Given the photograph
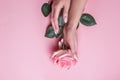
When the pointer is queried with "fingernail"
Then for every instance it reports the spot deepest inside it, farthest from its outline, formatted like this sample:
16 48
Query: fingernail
55 32
65 19
62 40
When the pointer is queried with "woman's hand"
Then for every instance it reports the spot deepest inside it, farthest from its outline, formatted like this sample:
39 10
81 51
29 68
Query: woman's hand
56 9
69 31
70 38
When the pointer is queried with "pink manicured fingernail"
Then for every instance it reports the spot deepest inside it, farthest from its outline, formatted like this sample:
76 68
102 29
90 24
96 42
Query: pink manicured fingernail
55 32
65 19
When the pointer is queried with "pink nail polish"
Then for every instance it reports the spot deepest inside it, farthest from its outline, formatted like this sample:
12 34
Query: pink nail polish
65 19
55 32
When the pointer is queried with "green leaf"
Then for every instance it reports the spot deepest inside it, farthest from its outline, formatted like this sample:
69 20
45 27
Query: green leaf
46 9
61 21
50 32
87 19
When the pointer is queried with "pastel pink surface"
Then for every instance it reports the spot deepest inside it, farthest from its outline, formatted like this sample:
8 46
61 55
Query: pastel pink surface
24 51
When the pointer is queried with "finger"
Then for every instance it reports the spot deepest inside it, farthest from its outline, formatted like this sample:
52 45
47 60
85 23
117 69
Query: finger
52 21
63 55
55 16
65 13
62 40
56 53
50 1
59 44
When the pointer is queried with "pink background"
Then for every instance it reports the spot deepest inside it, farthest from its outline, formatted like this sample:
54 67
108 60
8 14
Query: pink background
24 51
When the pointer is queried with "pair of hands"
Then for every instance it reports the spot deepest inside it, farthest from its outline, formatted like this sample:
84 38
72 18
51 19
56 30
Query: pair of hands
70 35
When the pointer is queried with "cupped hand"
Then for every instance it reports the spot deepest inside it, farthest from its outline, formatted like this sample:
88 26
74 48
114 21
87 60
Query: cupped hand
57 6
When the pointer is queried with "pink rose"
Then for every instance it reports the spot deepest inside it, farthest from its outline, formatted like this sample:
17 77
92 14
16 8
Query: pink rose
64 58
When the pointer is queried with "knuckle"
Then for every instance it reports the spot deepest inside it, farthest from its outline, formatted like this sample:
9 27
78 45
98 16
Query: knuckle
55 3
65 14
66 11
55 7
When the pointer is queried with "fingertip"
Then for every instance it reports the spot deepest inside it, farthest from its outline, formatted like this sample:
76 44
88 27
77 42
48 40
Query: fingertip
65 14
65 19
59 44
62 40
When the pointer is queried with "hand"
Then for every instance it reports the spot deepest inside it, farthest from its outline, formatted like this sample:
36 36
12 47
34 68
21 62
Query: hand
70 38
56 9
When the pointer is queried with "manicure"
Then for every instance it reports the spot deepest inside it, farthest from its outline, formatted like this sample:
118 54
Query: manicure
55 32
65 19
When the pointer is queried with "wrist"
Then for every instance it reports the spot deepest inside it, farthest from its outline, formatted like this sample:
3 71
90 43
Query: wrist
72 25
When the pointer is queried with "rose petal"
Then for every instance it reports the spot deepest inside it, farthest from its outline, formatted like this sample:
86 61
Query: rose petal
64 58
55 53
55 61
61 63
63 55
58 54
75 56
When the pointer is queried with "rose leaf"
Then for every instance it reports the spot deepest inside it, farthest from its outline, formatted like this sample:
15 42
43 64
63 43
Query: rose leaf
46 9
50 32
61 21
87 19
